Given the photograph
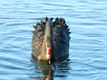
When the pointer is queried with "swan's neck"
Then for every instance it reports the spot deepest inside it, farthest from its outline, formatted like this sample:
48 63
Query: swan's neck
47 42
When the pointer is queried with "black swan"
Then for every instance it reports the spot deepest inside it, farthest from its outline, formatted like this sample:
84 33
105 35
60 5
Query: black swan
50 41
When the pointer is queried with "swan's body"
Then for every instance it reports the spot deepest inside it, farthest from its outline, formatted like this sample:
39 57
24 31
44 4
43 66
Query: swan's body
50 40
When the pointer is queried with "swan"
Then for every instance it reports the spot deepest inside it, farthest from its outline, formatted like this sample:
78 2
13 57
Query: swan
50 40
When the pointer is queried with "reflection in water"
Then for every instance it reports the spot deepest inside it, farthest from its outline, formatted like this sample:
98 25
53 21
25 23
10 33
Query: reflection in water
49 71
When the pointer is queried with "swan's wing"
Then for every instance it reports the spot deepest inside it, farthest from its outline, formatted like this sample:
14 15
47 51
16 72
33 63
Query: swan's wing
37 38
60 37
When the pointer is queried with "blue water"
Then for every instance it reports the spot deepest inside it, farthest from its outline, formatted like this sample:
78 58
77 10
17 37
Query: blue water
87 20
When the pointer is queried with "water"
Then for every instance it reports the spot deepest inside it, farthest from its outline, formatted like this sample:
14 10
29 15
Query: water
87 20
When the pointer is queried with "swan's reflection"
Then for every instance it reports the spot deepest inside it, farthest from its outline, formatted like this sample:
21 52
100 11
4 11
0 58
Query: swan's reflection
50 71
47 70
48 74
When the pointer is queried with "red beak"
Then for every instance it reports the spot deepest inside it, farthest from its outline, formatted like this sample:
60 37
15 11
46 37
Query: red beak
49 51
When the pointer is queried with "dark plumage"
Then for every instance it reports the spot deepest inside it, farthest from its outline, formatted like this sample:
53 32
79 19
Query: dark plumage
50 41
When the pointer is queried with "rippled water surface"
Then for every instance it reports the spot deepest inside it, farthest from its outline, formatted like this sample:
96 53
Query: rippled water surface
87 20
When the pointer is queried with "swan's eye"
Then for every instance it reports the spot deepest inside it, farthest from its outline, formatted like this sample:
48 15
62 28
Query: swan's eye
47 45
